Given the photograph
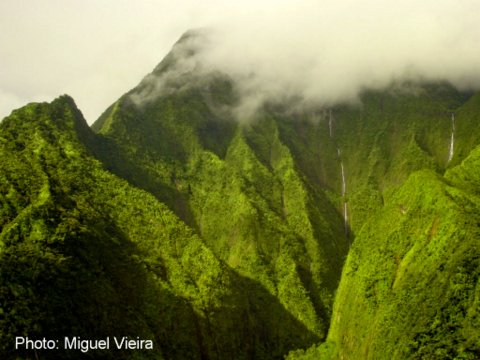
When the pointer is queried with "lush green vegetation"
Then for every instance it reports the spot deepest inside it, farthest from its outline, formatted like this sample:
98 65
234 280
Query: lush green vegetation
84 253
410 285
239 188
412 276
221 239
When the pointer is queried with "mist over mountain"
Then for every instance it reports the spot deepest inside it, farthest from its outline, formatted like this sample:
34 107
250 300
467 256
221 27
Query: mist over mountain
319 63
231 207
322 53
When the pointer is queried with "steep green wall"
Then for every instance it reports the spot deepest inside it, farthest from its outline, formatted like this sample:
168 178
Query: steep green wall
222 237
409 287
84 253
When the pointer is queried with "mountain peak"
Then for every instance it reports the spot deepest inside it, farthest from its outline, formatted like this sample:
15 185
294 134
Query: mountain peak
186 47
59 118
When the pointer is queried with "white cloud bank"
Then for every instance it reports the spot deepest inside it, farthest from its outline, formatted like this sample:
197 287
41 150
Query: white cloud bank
326 51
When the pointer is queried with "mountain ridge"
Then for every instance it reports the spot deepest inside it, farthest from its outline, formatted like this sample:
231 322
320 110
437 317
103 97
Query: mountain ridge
241 229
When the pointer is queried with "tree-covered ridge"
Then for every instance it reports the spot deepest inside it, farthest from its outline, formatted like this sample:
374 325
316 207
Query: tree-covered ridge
260 215
84 253
287 165
222 237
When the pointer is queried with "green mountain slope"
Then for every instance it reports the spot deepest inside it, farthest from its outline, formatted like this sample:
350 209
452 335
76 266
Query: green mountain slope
410 287
412 276
83 253
217 236
239 186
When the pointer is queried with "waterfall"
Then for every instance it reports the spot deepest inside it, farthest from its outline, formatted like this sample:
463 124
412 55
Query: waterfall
342 168
344 191
452 139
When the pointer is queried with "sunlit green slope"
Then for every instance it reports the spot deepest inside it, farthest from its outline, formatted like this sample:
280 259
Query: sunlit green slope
410 286
222 235
84 253
237 183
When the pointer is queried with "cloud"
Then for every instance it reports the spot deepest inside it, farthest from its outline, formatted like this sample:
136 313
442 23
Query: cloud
324 52
328 51
93 50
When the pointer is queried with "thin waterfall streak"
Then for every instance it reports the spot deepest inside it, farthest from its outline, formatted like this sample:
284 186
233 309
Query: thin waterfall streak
344 186
344 191
452 140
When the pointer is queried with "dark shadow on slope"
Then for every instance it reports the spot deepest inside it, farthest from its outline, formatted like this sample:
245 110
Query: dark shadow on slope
175 125
150 144
90 281
84 280
315 153
253 324
334 243
67 269
305 141
116 161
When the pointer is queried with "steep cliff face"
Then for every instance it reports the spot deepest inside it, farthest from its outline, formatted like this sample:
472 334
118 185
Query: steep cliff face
409 288
86 254
220 236
412 276
237 184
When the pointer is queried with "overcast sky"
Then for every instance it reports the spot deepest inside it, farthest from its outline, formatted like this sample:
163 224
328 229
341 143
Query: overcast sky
96 50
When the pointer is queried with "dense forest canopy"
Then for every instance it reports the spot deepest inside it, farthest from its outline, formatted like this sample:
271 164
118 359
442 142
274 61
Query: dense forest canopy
347 232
